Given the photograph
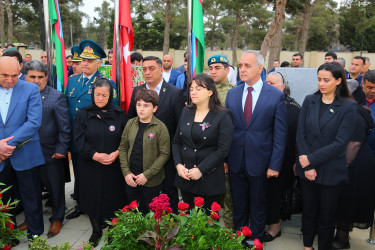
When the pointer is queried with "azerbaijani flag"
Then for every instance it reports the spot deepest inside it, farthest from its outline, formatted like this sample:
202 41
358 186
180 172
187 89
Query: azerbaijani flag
126 45
197 38
58 40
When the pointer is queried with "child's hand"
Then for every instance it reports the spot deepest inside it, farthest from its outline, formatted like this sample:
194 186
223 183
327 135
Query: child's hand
130 180
140 179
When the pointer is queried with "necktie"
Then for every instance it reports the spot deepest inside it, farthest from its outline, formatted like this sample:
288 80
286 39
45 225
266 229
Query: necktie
248 109
85 80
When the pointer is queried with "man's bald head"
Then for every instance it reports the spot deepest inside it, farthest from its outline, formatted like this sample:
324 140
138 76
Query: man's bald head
167 62
9 72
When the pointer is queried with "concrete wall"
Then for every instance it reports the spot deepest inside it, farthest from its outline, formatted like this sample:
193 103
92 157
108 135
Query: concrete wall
312 59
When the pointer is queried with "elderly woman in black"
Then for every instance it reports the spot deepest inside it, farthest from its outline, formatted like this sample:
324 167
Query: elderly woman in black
97 130
326 124
277 186
201 144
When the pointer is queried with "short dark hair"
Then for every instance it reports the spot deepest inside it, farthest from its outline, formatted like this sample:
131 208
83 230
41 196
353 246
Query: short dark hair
360 58
110 51
69 56
153 58
369 76
207 82
35 65
285 64
136 56
13 53
147 95
342 91
276 60
298 54
332 54
28 55
11 45
185 54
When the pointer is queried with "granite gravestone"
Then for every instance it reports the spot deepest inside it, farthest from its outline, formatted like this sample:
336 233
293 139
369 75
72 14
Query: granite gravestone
301 81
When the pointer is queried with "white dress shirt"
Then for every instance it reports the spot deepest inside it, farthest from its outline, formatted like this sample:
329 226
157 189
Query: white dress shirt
257 87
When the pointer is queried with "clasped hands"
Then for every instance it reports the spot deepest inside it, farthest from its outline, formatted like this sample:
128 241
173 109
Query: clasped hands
134 180
188 174
309 174
5 149
105 159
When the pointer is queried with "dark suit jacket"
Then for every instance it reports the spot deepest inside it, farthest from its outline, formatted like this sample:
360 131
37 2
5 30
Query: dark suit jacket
265 136
23 122
173 77
55 130
171 102
324 140
207 154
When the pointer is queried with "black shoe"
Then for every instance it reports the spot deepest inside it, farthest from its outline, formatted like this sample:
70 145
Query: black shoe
248 243
73 196
48 203
76 213
268 237
95 238
104 225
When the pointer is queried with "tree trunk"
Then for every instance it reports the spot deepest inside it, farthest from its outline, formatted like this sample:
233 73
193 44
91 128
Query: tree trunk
10 22
235 37
277 21
2 34
305 25
213 32
276 45
297 36
167 28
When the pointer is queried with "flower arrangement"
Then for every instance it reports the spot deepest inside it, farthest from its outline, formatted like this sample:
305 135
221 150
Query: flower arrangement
9 236
161 229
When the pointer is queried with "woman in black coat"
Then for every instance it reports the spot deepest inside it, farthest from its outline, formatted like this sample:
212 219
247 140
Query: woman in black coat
97 131
201 144
326 124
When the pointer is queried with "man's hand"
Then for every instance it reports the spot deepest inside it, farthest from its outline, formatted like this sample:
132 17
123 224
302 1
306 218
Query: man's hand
5 149
130 180
140 179
294 169
272 173
58 156
304 161
225 167
194 174
311 174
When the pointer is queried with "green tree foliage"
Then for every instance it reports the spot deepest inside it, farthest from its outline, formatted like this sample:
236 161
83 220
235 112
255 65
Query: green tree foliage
356 19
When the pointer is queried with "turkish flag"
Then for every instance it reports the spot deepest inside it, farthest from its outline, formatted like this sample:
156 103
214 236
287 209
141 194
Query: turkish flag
126 45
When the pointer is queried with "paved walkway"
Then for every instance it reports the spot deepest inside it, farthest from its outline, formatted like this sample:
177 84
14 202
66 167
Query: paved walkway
78 230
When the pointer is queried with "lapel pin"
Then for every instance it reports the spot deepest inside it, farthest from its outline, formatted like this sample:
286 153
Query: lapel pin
164 89
332 111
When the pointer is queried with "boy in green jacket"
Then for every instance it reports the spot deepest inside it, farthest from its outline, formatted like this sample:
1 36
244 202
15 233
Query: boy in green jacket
144 149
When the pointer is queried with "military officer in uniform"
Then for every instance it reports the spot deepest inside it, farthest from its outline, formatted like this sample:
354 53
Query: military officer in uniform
219 69
78 92
77 61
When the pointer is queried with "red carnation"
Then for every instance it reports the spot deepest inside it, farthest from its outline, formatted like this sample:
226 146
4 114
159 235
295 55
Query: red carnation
258 245
133 205
215 207
238 233
215 215
1 194
9 225
198 201
246 231
183 206
125 209
7 247
114 220
183 214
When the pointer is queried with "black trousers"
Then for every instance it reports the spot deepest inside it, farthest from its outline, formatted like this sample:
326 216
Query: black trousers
208 200
76 177
29 185
143 195
168 186
53 178
320 204
249 201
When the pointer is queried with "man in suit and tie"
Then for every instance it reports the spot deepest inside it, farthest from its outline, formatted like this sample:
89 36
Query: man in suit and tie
169 74
259 141
78 92
171 102
20 150
54 138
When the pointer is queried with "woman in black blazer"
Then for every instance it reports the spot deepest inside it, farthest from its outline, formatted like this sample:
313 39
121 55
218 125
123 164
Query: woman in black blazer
326 124
201 144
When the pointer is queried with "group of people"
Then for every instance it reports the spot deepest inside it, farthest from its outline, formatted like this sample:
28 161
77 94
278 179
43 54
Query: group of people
240 146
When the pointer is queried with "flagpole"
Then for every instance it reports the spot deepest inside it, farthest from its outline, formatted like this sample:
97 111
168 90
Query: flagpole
188 75
48 41
118 49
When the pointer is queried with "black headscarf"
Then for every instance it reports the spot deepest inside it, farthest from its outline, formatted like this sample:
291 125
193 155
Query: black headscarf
98 83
